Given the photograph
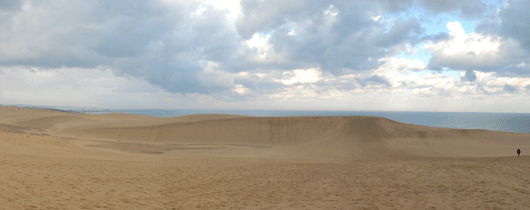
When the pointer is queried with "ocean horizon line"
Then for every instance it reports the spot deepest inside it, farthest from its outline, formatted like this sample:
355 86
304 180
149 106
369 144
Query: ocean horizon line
97 109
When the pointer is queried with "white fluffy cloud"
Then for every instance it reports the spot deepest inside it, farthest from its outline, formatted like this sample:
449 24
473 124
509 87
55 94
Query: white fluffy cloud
467 51
499 44
302 76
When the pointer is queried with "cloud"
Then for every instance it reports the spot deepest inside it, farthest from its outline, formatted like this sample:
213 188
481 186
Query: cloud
509 88
7 5
172 44
75 34
261 50
466 8
268 15
331 35
168 44
508 27
514 23
302 76
74 87
469 76
374 79
408 31
240 90
476 51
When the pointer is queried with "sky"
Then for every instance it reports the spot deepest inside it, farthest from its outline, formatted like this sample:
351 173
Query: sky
366 55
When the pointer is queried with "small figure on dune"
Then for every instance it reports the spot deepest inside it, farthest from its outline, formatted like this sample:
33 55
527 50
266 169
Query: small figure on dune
518 152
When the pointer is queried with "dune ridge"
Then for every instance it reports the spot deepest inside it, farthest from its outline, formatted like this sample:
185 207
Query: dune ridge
302 138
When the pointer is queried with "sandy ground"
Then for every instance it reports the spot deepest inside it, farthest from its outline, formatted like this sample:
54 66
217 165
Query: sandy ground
56 160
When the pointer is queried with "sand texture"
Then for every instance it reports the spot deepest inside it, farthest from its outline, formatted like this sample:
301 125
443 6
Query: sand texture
59 160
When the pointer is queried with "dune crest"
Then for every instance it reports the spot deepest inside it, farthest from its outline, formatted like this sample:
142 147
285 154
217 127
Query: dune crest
300 138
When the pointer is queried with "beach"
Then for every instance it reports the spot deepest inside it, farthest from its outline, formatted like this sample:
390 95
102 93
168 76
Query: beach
60 160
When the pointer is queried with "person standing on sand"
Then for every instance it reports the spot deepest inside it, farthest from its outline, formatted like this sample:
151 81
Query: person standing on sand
518 152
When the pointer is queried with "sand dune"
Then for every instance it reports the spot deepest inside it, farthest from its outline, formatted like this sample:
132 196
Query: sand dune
64 160
335 139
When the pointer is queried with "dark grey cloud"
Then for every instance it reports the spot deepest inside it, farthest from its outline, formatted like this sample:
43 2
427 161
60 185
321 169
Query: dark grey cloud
512 22
80 34
268 15
166 44
509 88
7 5
515 22
469 76
442 36
466 8
260 86
333 35
409 31
396 6
373 80
176 60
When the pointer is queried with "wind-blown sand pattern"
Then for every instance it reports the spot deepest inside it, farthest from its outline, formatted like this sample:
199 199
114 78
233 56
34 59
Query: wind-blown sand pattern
61 160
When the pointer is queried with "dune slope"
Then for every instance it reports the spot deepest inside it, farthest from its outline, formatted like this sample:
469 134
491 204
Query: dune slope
299 138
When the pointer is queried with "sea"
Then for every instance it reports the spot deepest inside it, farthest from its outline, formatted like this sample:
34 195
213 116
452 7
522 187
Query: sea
506 122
